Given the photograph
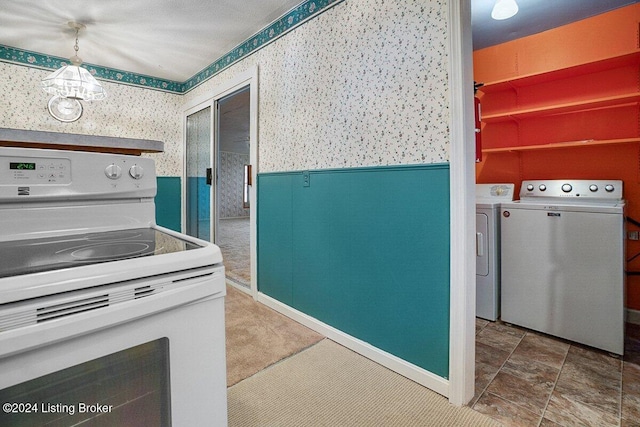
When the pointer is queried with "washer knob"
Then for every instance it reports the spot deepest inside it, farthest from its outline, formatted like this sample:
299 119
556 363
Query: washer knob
136 171
567 188
593 188
113 171
530 187
609 188
542 187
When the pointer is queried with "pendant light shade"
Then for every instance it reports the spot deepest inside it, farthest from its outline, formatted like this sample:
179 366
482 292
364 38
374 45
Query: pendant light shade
74 81
504 9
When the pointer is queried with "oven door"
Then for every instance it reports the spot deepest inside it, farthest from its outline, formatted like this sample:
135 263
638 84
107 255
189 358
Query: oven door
154 360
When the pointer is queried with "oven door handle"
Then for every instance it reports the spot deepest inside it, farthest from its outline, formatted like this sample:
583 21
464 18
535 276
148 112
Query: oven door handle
46 333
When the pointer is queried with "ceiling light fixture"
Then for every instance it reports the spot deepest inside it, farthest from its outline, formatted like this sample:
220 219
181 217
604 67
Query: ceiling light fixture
504 9
74 81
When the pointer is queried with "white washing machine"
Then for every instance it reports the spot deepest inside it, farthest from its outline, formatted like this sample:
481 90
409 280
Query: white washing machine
563 261
488 200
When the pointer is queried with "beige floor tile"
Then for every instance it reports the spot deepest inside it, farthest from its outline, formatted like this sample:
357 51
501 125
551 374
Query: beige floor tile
548 423
542 349
480 324
484 375
591 368
507 413
491 356
526 383
631 375
500 336
593 388
632 344
594 357
596 395
631 392
566 411
631 408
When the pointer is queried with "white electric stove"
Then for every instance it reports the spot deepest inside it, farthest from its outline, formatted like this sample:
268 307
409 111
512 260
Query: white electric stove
104 316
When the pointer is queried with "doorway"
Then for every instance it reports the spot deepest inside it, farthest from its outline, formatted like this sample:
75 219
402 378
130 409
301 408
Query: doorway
233 180
220 167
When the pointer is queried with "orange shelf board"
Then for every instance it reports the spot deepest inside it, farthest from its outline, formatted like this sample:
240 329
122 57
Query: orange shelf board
609 101
569 144
542 77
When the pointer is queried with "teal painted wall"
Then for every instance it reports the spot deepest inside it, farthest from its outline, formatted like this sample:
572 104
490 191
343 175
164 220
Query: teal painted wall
168 202
365 250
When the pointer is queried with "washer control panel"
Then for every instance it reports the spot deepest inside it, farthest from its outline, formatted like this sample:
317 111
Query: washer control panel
572 188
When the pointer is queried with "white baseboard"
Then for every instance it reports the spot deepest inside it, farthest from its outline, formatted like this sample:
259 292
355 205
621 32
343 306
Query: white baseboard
633 316
421 376
238 286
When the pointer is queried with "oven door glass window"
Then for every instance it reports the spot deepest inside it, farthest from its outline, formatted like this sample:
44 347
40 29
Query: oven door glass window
128 388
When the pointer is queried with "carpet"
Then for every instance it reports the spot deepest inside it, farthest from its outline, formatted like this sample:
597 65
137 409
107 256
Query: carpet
329 385
257 336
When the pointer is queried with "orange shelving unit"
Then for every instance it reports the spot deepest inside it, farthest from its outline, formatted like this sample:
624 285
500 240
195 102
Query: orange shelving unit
565 103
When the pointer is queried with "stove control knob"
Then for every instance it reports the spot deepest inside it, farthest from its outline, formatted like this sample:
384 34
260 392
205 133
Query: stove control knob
609 188
113 171
567 188
530 187
136 171
542 187
593 188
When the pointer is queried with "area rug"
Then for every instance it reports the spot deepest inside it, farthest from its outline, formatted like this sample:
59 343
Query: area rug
329 385
258 336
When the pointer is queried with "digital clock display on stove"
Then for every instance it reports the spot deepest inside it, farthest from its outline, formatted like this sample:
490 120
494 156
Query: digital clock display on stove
22 166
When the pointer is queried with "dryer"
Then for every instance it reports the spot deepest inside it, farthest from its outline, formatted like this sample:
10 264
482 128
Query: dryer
488 201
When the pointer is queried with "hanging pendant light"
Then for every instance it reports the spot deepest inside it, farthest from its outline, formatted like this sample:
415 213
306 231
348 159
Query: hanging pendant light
504 9
74 81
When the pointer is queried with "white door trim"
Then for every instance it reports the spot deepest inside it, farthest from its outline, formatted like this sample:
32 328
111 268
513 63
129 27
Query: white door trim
462 187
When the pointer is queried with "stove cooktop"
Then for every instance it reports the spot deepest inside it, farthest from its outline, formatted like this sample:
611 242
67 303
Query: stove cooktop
54 253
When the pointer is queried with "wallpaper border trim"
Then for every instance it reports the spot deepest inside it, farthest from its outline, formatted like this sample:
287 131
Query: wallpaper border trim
38 60
297 16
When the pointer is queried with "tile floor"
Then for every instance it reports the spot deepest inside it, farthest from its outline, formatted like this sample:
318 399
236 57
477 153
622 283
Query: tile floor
524 378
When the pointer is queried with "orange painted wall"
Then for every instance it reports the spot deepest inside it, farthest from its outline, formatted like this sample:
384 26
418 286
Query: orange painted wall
576 87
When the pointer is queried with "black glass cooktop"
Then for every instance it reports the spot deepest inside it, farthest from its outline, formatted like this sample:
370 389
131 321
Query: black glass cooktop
52 253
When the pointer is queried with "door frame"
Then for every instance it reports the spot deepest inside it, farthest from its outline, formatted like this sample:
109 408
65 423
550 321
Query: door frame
248 78
462 310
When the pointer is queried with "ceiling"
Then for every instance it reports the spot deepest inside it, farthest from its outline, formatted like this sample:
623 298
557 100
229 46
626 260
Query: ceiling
175 39
534 16
168 39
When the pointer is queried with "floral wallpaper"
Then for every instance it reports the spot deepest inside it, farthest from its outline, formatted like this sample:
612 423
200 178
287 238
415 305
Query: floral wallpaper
128 112
363 83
